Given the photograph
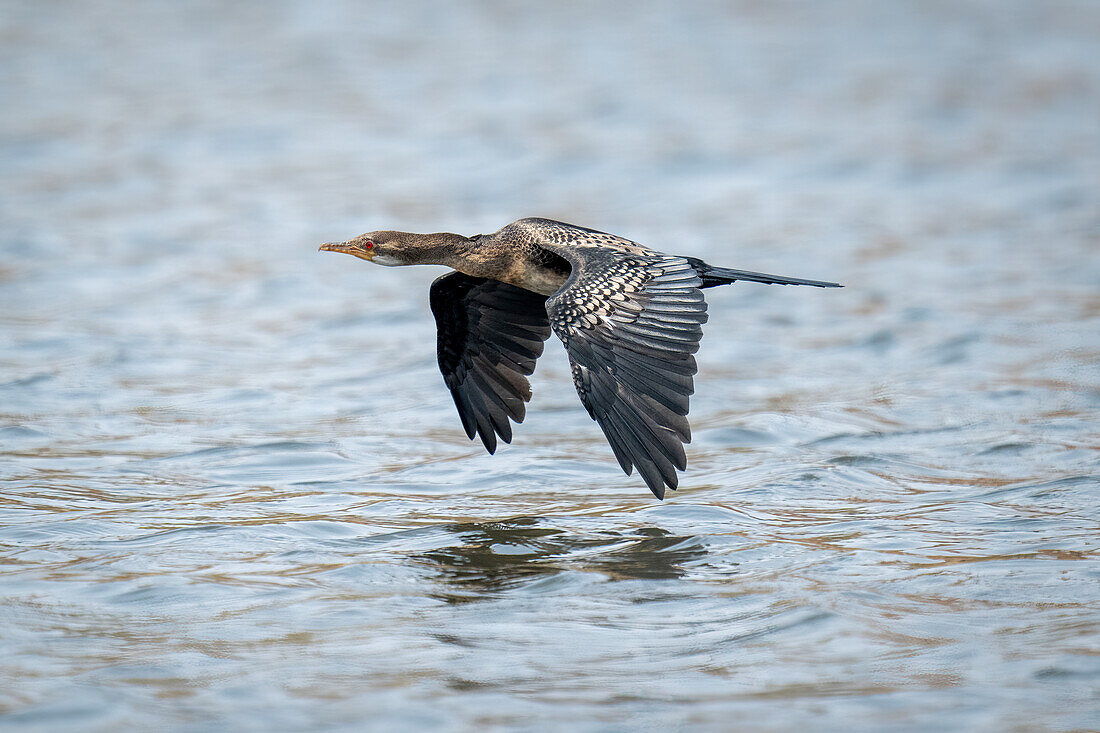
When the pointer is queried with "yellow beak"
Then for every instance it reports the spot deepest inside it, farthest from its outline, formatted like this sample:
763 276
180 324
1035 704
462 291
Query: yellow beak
346 248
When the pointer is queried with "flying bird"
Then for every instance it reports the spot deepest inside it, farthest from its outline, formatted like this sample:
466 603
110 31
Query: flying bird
630 317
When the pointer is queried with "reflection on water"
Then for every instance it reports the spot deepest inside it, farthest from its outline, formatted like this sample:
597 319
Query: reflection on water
234 493
499 556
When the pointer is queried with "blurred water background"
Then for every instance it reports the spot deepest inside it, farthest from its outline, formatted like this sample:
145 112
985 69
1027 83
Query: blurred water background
234 493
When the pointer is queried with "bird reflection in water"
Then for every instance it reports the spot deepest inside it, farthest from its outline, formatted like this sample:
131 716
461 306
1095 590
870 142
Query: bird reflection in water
496 557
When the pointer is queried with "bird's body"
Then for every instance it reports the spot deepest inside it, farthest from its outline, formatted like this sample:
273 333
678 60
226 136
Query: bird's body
630 318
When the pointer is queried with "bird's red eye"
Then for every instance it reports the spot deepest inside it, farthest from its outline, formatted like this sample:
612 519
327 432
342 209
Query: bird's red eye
368 245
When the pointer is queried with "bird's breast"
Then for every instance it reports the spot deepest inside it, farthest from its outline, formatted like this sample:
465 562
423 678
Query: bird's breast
527 267
541 280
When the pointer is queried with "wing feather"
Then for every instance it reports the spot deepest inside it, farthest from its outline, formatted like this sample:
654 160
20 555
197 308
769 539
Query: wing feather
489 336
630 319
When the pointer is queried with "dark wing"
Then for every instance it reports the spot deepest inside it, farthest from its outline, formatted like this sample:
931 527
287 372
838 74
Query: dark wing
630 322
490 334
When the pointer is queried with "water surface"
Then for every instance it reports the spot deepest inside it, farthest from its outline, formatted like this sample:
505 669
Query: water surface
234 493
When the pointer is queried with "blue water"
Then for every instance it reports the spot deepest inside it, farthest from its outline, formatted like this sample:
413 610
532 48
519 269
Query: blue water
234 494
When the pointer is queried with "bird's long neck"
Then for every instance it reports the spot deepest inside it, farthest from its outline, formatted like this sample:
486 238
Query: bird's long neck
440 248
485 256
479 256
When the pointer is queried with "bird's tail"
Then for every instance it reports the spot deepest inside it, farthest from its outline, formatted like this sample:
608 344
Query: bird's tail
712 276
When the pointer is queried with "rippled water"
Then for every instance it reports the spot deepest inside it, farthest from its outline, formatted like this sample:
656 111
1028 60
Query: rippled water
235 494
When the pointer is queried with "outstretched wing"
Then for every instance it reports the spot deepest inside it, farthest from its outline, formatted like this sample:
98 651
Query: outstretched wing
630 322
489 336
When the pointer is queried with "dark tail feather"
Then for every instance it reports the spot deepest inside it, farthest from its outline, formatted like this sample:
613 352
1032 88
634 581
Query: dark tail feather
713 276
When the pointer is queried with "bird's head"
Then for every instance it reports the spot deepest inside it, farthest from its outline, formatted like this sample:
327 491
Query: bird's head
391 248
382 248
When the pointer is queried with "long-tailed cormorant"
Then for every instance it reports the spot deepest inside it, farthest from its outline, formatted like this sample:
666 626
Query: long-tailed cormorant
630 318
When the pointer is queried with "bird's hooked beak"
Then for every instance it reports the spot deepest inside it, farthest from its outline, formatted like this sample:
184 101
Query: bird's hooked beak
349 248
